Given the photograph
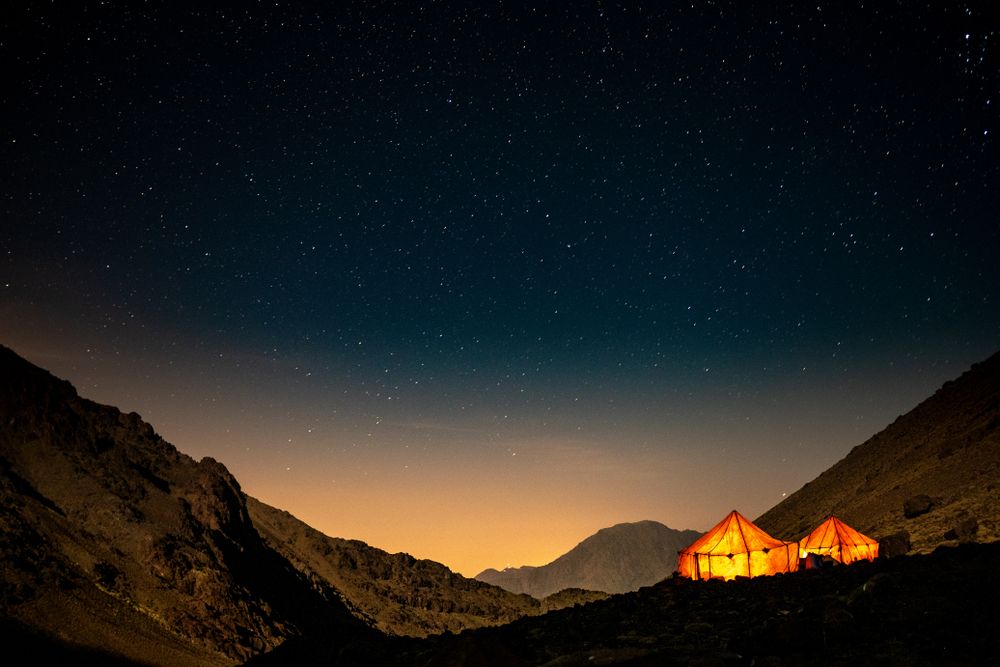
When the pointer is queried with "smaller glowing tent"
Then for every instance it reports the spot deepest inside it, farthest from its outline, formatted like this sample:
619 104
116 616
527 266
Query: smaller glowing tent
836 539
737 547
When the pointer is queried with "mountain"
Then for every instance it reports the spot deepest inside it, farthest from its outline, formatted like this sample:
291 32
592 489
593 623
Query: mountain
118 548
931 477
114 540
618 559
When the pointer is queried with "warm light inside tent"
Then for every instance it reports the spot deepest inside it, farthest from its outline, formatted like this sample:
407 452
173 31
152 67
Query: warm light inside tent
836 539
737 547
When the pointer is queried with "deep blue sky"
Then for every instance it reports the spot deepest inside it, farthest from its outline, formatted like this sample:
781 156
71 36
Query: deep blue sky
664 242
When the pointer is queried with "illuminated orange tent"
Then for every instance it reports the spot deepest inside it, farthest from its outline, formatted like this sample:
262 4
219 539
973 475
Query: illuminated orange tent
836 539
737 547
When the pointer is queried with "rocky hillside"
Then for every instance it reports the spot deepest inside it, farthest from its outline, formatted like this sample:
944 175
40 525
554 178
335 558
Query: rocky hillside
113 539
931 477
618 559
398 593
117 545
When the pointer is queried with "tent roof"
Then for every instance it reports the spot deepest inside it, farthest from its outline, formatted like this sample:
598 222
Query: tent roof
834 531
735 534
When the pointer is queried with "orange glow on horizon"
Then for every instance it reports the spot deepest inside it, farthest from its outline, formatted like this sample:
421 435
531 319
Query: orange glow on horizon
471 520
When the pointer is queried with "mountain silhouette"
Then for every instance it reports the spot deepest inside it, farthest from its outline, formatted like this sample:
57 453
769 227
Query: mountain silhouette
618 559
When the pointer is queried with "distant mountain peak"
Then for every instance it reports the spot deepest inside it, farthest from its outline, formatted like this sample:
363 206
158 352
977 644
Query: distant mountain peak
620 558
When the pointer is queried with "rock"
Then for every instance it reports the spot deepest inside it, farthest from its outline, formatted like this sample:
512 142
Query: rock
218 503
836 621
107 574
965 531
917 505
893 545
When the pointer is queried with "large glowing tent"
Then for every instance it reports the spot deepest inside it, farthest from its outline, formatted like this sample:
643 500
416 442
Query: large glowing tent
836 539
737 547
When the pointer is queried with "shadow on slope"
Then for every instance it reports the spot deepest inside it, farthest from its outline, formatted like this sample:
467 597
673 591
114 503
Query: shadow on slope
26 647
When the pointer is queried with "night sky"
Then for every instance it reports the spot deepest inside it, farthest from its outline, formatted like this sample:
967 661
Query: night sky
474 282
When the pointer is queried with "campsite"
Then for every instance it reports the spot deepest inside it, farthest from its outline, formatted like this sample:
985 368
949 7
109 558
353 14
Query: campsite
737 547
926 609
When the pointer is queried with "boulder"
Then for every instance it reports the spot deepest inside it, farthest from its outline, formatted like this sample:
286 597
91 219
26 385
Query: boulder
917 505
896 544
965 531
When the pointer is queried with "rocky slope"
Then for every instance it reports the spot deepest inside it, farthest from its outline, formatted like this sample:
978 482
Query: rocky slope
398 593
932 476
113 539
116 545
618 559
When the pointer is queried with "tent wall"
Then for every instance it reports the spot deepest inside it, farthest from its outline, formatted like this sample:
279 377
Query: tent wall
747 564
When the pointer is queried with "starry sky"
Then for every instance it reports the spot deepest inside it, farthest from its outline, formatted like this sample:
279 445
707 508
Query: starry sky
474 280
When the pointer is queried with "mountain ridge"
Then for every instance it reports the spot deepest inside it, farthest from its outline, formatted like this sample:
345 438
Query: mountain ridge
116 540
397 593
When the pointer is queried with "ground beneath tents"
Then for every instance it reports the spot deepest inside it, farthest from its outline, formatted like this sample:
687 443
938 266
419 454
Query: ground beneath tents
940 608
934 609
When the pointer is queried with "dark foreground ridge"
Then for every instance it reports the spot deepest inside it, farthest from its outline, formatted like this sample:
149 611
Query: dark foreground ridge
932 609
929 609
